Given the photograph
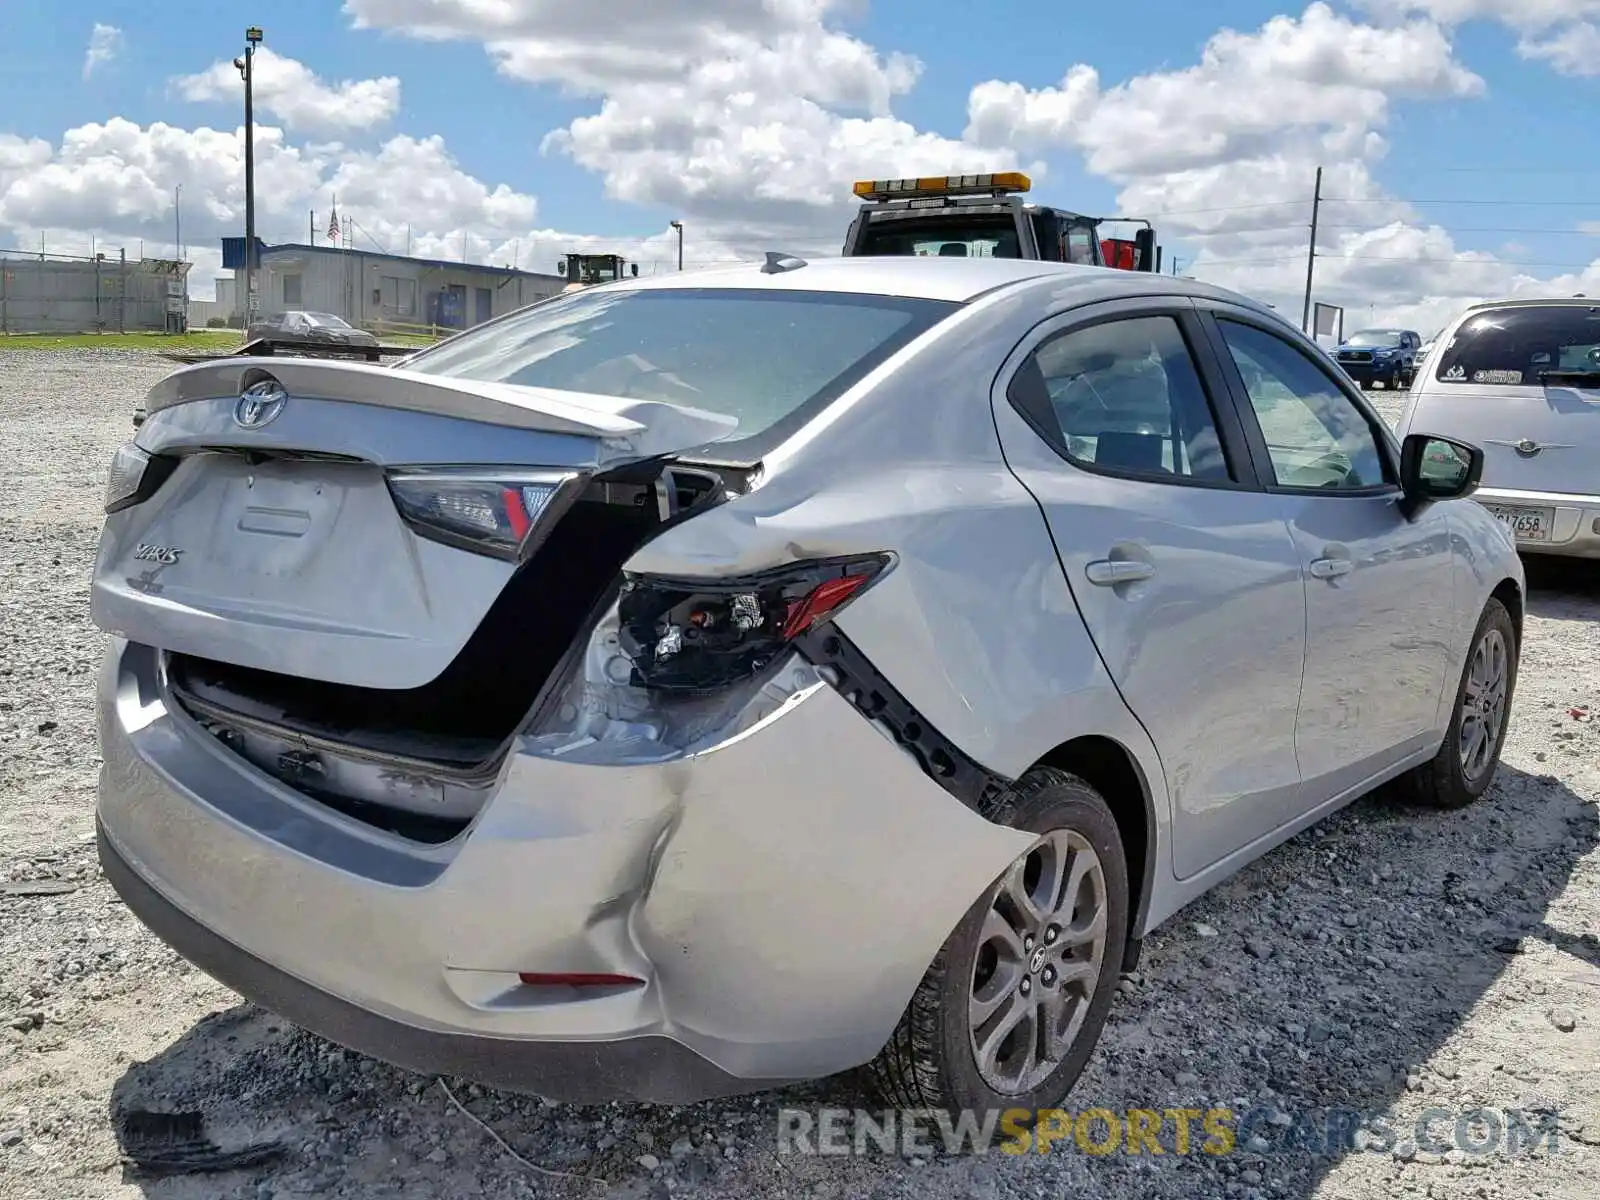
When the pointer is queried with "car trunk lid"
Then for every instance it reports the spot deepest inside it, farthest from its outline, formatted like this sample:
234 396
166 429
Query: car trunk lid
277 542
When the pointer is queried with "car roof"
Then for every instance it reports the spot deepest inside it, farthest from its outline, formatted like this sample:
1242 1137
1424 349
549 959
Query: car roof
932 278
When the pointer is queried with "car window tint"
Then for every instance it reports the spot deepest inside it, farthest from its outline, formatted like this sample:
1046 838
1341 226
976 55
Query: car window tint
1125 396
1316 436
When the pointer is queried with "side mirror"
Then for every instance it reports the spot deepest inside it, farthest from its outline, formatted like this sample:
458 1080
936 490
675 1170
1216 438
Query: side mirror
635 268
1144 243
1436 468
561 267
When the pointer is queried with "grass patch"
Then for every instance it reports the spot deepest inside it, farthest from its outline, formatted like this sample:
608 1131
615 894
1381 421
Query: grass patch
155 343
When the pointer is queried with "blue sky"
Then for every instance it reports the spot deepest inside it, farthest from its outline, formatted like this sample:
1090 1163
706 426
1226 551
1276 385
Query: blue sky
1462 148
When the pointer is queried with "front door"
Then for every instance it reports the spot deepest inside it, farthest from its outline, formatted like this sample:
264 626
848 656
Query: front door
484 305
1183 569
1379 610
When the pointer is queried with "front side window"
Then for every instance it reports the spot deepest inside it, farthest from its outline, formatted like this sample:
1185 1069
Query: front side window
1125 396
1527 345
1316 435
291 289
769 359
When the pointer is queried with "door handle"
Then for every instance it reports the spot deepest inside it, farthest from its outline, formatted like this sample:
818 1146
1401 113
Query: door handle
1109 572
1331 568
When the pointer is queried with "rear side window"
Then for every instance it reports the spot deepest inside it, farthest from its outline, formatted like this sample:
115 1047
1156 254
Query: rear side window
1124 397
1523 345
769 359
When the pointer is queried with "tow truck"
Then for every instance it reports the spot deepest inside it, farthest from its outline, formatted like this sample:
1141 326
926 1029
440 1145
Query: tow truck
586 270
976 216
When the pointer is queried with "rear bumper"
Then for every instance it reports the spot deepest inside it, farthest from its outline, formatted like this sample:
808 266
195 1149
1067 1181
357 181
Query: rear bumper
655 1067
1575 528
779 895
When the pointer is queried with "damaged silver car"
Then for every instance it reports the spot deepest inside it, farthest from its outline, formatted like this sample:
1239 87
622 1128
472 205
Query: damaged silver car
690 685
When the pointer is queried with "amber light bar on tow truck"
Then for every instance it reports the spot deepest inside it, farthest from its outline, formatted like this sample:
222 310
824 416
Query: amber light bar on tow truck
929 186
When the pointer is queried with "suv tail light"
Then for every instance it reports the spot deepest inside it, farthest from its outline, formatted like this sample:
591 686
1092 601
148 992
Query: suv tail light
696 635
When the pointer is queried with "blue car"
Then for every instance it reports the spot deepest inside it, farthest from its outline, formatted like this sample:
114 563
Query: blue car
1386 356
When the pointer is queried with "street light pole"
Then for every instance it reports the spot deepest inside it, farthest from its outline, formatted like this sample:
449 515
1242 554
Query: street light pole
177 219
252 38
678 225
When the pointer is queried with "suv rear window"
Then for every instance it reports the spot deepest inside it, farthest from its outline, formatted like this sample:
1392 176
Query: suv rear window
770 359
1523 345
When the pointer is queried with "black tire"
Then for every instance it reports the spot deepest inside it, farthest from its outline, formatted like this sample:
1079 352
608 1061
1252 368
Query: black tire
1443 781
929 1060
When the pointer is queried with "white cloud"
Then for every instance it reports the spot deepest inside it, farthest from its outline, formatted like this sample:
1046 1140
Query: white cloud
1572 49
749 120
292 92
1223 155
112 185
105 43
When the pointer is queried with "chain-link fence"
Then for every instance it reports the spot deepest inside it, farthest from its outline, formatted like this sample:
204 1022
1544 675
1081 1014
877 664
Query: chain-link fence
60 293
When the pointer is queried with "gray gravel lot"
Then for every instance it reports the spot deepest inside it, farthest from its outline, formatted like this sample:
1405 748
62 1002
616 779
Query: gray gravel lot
1388 962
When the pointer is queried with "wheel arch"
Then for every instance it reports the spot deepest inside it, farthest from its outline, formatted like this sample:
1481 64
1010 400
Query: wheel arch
1509 593
1113 771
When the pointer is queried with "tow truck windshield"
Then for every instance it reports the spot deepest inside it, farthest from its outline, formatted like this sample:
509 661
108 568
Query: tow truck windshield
942 237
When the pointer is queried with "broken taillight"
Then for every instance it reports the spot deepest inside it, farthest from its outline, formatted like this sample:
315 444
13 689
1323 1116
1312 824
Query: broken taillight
485 512
697 636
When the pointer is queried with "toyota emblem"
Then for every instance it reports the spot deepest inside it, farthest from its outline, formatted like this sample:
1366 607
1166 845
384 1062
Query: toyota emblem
259 404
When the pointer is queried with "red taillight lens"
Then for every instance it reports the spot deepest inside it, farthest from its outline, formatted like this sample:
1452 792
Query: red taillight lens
703 635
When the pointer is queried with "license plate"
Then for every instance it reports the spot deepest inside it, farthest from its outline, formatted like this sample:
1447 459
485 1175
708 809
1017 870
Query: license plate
1527 524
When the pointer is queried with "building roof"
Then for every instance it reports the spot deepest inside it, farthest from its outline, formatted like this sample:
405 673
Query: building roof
233 258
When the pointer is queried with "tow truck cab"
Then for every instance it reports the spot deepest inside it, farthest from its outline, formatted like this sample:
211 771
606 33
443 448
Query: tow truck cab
985 216
586 270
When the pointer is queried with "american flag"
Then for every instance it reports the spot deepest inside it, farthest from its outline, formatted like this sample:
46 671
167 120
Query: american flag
333 226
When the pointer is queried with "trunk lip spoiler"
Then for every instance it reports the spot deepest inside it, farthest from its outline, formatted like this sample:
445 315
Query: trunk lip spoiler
548 410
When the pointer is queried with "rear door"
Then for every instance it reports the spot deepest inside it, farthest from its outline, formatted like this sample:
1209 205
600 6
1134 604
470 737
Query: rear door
1182 566
1379 587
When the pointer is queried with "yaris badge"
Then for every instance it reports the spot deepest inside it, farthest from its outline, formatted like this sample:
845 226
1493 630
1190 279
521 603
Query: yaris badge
259 404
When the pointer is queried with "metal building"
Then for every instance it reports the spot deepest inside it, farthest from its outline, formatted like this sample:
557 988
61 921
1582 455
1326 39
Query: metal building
108 293
374 291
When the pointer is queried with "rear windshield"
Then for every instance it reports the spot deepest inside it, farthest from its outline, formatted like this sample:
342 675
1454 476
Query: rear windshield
1525 345
972 236
769 359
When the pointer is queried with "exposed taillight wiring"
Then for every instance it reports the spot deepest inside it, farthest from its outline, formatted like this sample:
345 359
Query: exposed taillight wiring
697 636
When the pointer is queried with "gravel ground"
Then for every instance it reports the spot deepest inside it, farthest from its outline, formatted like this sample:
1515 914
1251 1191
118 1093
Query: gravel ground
1387 962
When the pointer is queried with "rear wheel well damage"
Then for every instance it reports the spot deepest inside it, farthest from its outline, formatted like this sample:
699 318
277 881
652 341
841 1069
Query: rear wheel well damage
1107 767
1100 762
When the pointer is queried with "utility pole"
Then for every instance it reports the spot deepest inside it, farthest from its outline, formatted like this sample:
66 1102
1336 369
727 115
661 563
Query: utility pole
678 225
311 224
252 38
1311 258
177 219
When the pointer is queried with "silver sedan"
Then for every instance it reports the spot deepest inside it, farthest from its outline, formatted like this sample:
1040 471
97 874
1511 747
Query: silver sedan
694 684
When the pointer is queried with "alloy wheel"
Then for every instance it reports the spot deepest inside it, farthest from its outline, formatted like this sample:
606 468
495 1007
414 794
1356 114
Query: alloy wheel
1040 955
1483 704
